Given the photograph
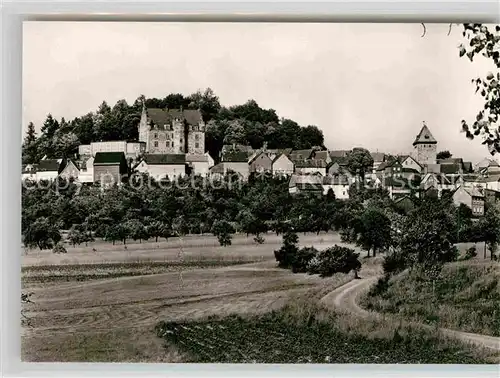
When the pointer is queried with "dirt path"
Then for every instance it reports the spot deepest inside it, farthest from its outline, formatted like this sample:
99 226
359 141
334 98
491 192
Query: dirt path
345 298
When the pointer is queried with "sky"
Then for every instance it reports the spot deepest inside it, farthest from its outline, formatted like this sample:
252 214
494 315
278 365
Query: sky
363 85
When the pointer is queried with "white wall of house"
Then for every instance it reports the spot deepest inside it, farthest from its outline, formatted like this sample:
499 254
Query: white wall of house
211 161
461 196
409 162
200 167
340 191
87 174
46 175
493 185
70 171
283 166
160 171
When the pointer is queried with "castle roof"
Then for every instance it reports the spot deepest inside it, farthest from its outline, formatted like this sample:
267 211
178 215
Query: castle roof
161 117
424 136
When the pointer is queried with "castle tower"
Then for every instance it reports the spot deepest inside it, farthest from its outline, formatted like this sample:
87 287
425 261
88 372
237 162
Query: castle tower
143 127
425 147
196 134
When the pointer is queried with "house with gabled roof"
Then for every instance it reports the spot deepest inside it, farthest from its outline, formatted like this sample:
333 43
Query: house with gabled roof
300 155
492 168
28 172
69 169
86 167
235 161
407 161
322 155
338 184
473 198
110 168
492 182
305 183
261 163
282 165
310 166
48 169
160 166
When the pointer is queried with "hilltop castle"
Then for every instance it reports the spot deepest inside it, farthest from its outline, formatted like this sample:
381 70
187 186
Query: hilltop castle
172 131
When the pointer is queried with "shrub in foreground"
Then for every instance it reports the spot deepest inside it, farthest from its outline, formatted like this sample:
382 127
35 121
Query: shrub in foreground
59 248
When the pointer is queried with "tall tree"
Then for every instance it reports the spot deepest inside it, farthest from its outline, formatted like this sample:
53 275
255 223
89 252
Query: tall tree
359 162
373 231
207 102
30 146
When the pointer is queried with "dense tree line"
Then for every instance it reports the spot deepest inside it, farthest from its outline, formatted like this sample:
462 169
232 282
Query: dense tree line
247 124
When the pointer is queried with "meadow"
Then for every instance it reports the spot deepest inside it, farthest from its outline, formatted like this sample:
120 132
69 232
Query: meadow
465 297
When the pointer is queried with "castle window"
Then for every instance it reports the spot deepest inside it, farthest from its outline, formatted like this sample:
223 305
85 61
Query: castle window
181 149
168 143
156 144
197 137
197 145
172 144
156 136
168 136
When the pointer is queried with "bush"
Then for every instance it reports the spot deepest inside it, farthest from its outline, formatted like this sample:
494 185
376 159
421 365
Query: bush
394 263
336 260
286 254
59 248
302 258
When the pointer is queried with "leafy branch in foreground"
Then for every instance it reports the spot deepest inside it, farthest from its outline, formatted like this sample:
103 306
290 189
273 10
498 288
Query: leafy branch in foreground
484 41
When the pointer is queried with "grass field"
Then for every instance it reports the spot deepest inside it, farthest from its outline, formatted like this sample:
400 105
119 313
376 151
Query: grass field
308 336
189 248
465 297
106 312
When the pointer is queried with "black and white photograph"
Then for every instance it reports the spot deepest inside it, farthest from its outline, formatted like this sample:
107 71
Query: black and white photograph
260 192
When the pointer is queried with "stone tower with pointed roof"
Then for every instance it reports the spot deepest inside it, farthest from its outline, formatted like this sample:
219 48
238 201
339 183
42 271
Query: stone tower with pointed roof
425 147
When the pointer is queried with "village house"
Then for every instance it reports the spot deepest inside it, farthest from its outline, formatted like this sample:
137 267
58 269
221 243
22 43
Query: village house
321 155
491 195
234 161
86 174
300 155
261 163
199 164
160 166
481 165
473 198
493 168
409 163
305 184
398 186
282 165
405 203
110 168
69 170
339 185
378 158
310 166
392 167
492 182
28 172
131 149
437 182
48 169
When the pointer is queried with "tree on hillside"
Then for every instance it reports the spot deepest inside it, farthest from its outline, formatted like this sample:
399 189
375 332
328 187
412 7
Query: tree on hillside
336 259
488 230
359 162
427 234
235 133
49 127
65 144
207 102
484 41
444 155
30 146
373 231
